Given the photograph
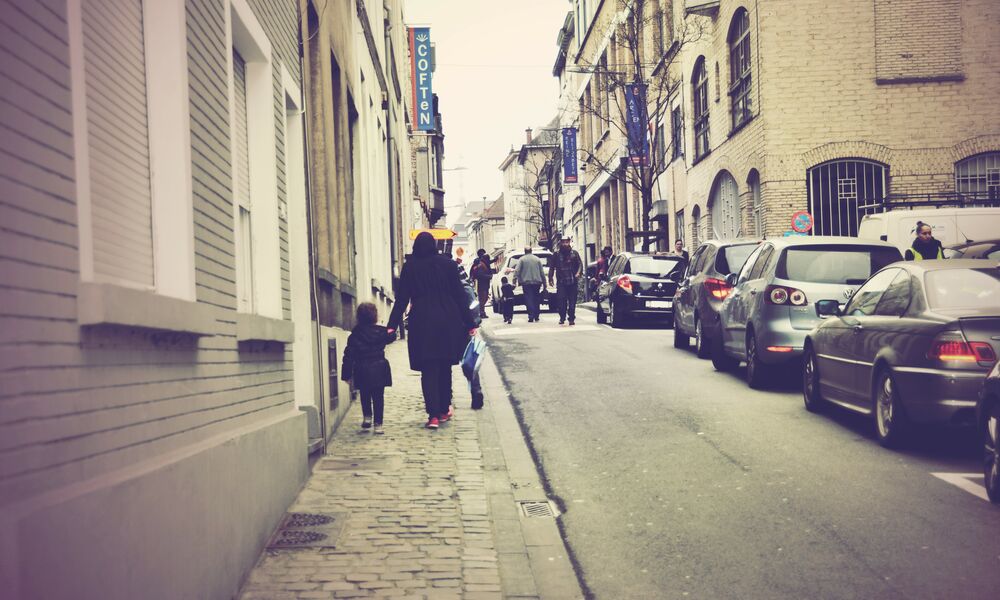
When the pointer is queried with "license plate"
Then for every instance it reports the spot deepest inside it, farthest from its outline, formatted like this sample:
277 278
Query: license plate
659 304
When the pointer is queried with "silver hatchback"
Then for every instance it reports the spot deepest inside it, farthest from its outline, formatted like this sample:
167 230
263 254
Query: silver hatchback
765 319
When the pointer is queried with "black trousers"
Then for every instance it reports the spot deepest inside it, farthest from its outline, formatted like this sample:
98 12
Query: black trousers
435 381
373 401
566 301
508 309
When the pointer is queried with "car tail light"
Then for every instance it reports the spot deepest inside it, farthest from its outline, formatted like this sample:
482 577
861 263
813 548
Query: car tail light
953 347
779 294
625 283
718 288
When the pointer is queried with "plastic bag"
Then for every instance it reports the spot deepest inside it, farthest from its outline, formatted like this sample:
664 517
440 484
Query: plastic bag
473 357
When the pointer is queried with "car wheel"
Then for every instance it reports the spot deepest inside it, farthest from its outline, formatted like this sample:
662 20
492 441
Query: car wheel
702 346
720 360
680 340
757 372
602 317
495 305
890 423
810 382
617 318
991 453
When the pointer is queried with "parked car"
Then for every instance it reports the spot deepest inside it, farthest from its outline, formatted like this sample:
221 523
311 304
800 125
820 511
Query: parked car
765 318
507 270
703 288
989 249
913 344
638 283
988 420
951 225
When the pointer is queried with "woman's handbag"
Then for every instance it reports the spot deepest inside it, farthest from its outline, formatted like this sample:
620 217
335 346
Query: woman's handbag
473 357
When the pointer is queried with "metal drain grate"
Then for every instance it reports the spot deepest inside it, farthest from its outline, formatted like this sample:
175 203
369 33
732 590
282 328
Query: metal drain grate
538 509
308 530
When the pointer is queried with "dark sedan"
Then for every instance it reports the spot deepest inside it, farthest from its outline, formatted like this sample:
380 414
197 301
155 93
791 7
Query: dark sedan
638 284
988 419
912 345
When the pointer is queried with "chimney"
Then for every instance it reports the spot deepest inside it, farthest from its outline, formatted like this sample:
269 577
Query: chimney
527 134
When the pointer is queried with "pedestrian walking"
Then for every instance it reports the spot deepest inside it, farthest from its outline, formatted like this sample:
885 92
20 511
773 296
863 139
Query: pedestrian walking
482 274
364 362
439 325
530 274
507 292
924 247
565 270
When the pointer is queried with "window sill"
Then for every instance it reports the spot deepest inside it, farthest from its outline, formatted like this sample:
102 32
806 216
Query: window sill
740 127
109 304
255 328
702 157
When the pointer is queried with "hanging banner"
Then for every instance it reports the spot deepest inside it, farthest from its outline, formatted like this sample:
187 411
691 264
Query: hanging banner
569 154
636 123
420 71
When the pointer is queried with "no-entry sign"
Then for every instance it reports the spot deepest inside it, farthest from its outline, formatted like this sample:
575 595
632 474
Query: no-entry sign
802 222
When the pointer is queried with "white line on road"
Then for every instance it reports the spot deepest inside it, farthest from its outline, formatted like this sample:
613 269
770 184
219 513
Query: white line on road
964 481
529 330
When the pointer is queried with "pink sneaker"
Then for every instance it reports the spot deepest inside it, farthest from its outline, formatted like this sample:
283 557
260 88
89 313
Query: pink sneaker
432 423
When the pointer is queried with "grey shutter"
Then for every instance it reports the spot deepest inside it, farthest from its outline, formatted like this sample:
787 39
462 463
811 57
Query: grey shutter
241 161
118 144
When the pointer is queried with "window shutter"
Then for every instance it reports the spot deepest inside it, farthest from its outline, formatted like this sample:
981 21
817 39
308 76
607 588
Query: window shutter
241 160
118 144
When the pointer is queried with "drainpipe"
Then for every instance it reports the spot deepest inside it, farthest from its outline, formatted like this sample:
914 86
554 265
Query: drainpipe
387 28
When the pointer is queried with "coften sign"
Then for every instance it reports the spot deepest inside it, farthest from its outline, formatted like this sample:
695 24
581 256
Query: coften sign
420 69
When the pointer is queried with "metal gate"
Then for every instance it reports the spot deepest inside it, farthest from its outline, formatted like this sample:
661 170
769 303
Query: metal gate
837 188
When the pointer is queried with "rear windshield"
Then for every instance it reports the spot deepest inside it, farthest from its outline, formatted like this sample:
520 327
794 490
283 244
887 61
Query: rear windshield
846 265
653 266
963 288
731 259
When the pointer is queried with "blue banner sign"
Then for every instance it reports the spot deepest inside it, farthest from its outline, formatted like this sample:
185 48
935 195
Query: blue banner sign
420 71
636 123
569 154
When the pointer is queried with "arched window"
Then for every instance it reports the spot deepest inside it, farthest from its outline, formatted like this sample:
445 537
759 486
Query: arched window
699 81
979 175
756 203
739 68
695 227
841 191
725 207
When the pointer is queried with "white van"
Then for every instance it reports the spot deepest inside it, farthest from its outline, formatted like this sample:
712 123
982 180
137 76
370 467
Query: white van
950 225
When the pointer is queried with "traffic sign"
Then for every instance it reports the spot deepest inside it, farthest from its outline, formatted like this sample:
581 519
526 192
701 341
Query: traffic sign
439 234
802 222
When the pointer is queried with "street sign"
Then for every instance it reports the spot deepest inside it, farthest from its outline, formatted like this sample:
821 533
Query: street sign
439 234
790 233
802 222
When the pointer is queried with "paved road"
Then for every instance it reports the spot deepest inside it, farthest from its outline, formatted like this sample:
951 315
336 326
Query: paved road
678 481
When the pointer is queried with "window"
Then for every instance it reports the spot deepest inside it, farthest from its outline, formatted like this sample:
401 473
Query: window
725 206
676 133
699 81
896 298
756 203
665 26
841 265
661 146
241 189
131 133
604 81
841 192
679 225
750 263
963 288
866 299
760 266
695 226
739 68
979 175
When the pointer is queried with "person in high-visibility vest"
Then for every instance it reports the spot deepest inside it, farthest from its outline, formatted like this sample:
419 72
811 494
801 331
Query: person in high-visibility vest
925 247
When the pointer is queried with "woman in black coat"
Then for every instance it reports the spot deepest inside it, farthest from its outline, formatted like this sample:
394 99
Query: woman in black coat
439 325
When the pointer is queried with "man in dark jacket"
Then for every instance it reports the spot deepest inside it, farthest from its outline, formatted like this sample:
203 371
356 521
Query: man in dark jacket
438 326
482 274
565 268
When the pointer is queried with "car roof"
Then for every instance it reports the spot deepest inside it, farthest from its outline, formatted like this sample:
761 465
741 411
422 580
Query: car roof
826 240
970 244
727 243
947 264
653 254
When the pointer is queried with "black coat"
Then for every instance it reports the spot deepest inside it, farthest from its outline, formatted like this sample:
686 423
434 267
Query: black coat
364 357
438 325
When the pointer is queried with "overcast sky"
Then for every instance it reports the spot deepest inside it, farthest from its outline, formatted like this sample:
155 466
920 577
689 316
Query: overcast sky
494 80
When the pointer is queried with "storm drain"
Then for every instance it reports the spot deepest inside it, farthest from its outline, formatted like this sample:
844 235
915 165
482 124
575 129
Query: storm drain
538 509
308 530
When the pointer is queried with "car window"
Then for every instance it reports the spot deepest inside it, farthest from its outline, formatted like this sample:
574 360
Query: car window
654 266
963 288
692 268
762 259
865 300
896 298
731 258
616 266
749 265
845 265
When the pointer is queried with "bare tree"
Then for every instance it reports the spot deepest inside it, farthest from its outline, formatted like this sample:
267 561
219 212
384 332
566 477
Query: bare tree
540 177
645 44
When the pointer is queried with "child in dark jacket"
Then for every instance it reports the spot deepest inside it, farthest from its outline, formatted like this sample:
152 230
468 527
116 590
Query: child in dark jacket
507 291
365 363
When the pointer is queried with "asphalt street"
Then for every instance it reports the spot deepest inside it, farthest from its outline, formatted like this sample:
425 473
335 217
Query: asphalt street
678 481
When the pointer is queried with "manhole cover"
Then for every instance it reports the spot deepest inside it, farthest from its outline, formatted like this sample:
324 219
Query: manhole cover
375 463
308 530
538 509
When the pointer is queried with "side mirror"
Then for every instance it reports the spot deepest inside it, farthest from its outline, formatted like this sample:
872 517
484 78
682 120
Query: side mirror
828 308
731 279
675 276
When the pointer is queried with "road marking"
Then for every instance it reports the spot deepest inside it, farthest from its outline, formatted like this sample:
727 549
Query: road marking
530 330
964 481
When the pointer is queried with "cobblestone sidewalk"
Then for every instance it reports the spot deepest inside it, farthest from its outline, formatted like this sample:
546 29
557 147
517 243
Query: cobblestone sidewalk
415 509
